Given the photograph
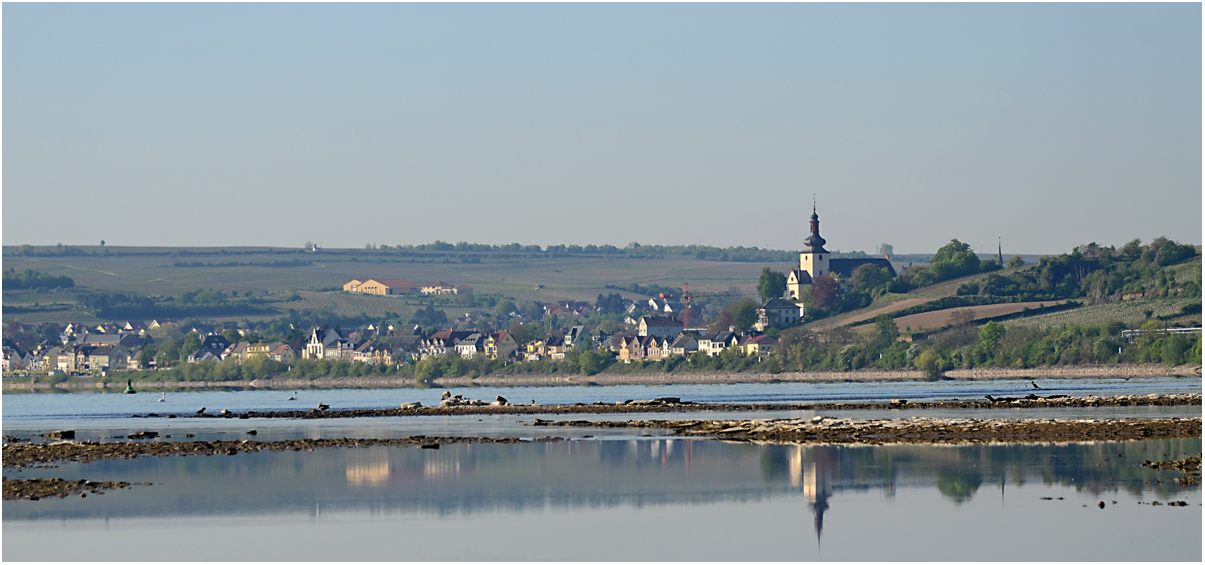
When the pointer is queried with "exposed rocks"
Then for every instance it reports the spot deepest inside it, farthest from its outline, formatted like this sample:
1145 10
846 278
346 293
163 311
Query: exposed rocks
61 434
26 455
457 404
1190 466
143 435
34 489
915 430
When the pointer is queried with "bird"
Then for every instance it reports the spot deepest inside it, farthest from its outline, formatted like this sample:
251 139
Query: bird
1035 385
294 397
163 398
447 395
201 411
323 407
225 411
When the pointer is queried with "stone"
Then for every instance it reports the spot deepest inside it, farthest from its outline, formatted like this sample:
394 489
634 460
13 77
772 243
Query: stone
61 434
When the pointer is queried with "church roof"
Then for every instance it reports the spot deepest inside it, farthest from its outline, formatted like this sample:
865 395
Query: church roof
846 267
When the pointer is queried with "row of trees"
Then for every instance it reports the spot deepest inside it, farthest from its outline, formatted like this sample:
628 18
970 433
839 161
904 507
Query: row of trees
31 279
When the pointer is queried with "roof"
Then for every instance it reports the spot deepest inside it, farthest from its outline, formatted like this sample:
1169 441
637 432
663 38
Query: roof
779 304
660 321
846 267
393 283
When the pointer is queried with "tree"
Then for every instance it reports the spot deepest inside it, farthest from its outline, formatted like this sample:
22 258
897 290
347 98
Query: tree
102 243
772 284
824 292
990 335
868 278
169 351
231 335
887 329
1016 261
191 344
744 314
886 249
504 308
931 363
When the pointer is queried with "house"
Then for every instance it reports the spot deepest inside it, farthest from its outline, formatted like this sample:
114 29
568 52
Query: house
658 326
324 344
439 287
471 346
631 348
101 358
441 342
135 327
657 347
500 345
14 360
760 345
403 348
283 353
382 287
237 351
578 338
164 323
716 343
555 347
814 262
685 344
777 313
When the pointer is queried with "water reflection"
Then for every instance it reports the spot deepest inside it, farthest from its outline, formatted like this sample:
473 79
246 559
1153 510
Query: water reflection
837 493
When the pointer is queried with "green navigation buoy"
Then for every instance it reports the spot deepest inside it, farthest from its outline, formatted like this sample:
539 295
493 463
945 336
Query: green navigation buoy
129 386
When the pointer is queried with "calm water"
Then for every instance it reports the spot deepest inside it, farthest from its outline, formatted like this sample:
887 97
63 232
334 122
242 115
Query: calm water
623 494
625 499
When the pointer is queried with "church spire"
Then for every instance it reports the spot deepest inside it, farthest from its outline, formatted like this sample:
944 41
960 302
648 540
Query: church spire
814 242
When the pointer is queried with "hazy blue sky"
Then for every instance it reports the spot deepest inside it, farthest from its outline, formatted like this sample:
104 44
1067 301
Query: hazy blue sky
273 124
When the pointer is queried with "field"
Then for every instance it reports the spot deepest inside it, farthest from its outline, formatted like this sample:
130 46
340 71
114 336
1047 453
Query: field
1128 311
941 318
349 305
563 278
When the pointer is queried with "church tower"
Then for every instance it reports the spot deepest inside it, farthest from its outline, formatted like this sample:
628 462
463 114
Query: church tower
814 259
813 262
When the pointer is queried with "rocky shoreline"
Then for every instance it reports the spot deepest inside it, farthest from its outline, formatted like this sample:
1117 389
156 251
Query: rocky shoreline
678 405
914 430
45 455
35 489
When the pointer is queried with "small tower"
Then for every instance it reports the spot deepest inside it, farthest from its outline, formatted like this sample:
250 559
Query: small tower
999 252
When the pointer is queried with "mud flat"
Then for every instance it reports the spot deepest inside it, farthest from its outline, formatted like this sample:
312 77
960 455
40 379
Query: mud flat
1149 370
915 430
37 455
35 489
678 405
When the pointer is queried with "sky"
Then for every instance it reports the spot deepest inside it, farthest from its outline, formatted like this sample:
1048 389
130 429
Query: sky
1044 125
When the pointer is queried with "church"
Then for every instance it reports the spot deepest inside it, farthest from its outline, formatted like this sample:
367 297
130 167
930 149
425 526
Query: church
815 262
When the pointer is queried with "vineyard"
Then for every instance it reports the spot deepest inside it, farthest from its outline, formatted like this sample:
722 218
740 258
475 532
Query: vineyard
349 305
1130 311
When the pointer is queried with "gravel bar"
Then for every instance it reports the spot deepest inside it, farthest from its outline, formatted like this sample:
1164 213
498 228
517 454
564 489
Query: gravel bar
915 430
676 405
31 455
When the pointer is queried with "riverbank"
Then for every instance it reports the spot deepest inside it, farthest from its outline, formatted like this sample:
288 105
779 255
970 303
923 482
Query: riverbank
1151 370
914 430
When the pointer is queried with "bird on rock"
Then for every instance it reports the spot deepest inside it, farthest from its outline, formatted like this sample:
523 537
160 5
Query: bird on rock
1035 385
323 407
201 411
447 395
